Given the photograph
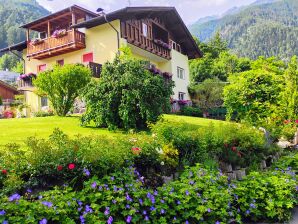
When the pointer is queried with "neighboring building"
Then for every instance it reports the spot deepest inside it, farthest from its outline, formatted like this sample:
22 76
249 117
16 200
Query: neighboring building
77 35
7 93
9 77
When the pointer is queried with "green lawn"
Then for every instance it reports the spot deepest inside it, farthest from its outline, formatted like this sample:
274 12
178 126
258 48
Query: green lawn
18 130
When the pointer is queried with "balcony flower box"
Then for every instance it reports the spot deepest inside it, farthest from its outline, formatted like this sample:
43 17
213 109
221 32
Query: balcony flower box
162 44
59 33
27 77
183 102
36 41
167 75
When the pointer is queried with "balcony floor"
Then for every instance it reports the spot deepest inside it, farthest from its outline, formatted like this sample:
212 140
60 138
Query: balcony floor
67 48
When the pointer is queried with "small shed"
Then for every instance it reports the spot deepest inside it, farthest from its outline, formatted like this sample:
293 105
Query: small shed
7 92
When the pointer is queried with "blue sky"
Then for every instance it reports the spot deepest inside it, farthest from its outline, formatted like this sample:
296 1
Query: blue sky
190 10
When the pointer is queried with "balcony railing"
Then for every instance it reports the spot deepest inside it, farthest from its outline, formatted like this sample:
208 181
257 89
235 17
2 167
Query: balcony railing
52 46
134 36
24 84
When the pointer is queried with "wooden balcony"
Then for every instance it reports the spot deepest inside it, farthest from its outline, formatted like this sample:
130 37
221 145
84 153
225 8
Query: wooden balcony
133 34
73 40
25 84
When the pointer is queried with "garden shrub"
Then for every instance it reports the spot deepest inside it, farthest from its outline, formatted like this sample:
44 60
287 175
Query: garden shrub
43 113
127 95
239 145
63 85
121 197
191 111
268 196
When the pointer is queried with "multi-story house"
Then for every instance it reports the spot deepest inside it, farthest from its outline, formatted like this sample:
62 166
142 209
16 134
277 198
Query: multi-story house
77 35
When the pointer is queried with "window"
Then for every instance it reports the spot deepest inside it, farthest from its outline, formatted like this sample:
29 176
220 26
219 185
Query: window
44 101
145 29
180 73
181 96
41 68
88 58
60 62
43 35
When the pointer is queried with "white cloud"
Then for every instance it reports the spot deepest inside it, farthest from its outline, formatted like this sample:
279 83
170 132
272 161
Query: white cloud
190 10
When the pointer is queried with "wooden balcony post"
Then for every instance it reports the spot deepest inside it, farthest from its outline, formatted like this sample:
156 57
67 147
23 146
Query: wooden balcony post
28 34
49 29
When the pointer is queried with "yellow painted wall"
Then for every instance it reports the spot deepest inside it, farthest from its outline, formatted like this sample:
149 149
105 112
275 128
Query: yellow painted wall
33 101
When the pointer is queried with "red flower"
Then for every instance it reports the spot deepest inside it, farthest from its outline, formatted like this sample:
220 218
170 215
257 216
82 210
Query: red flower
4 172
136 150
59 168
71 166
296 121
239 154
234 148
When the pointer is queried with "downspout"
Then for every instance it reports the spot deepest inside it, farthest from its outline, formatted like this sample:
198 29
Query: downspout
118 35
24 61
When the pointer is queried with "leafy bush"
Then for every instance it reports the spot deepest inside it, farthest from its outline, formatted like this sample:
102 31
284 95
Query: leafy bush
121 197
63 85
191 111
127 95
266 196
43 113
239 145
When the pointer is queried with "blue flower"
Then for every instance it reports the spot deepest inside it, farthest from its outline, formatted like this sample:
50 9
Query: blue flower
209 210
110 220
87 172
191 182
114 201
43 221
186 222
217 222
88 209
112 178
39 197
48 204
128 198
252 205
162 211
93 185
80 203
2 213
178 203
187 192
146 218
82 219
247 212
107 211
127 206
14 197
140 201
152 208
5 222
128 219
29 191
162 201
144 213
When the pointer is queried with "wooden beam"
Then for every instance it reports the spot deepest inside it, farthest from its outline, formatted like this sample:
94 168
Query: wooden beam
73 18
53 19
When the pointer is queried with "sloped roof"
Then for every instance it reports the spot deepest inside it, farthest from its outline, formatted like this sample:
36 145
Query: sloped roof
7 86
16 47
169 14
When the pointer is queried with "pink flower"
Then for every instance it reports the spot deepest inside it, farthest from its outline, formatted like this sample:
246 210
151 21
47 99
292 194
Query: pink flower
136 150
71 166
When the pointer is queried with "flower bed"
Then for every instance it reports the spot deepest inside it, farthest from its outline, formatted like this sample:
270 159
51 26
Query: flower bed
59 33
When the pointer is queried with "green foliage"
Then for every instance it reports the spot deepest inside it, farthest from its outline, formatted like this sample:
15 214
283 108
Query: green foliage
14 13
208 94
191 111
18 68
43 114
217 62
199 194
252 95
238 145
127 95
266 196
8 61
63 85
289 97
263 29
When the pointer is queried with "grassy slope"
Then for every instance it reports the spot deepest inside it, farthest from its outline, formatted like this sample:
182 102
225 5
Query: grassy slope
18 130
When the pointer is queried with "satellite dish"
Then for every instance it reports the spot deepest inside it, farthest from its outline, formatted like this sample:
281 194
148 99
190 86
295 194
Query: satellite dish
100 10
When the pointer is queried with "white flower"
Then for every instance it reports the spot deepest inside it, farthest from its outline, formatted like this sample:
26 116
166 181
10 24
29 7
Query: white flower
154 135
162 163
159 151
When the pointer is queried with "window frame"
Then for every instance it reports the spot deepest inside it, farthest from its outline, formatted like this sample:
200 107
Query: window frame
180 73
44 99
145 29
87 54
181 94
39 68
